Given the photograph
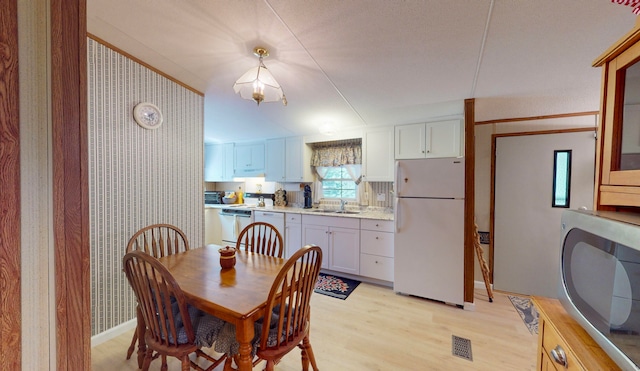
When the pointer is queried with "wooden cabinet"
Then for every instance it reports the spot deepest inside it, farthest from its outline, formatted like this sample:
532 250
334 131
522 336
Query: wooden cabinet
429 140
618 168
377 155
292 233
339 239
212 227
249 159
376 249
563 344
288 160
218 162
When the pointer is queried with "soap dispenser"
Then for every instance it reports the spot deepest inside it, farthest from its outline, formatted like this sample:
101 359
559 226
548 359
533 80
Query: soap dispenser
240 195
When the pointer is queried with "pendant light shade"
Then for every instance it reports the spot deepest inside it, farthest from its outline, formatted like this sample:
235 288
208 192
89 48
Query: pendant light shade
258 84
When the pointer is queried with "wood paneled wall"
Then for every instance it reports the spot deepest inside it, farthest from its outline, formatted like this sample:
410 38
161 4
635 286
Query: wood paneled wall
10 274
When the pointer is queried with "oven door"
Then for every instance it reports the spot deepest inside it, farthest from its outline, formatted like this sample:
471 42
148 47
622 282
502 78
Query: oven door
232 225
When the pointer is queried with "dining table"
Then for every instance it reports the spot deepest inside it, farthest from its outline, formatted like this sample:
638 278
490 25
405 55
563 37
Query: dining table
237 295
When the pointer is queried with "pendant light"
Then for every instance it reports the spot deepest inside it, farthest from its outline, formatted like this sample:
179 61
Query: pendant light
258 83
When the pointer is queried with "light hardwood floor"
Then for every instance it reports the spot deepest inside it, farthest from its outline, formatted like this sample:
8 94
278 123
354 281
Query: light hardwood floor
376 329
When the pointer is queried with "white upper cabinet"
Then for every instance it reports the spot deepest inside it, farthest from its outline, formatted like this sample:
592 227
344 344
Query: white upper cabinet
429 140
218 162
249 159
275 165
288 160
377 155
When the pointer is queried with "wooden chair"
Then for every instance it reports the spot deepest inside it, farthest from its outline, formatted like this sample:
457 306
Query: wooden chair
172 328
287 319
262 238
156 240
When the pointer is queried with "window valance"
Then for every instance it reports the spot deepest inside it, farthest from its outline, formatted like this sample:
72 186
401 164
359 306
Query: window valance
337 153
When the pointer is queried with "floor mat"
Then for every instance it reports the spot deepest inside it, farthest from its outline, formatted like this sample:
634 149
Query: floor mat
337 287
527 312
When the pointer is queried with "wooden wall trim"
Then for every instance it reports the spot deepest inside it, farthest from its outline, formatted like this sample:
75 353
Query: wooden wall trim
533 118
10 271
469 204
139 61
70 184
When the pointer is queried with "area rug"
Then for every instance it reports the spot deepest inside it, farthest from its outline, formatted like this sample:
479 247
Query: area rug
337 287
527 312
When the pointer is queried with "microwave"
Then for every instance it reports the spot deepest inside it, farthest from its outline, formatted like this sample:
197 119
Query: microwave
599 282
213 197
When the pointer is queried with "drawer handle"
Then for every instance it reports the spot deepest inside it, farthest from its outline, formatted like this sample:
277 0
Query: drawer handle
559 356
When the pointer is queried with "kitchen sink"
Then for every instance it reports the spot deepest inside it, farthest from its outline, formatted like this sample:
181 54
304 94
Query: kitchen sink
346 212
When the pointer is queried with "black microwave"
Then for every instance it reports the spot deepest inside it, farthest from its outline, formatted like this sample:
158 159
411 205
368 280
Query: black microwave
213 197
600 279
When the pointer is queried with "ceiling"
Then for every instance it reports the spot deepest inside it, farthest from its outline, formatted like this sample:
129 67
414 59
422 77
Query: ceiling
357 64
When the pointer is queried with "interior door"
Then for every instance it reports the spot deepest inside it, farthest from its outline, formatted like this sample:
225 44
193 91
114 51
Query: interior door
526 226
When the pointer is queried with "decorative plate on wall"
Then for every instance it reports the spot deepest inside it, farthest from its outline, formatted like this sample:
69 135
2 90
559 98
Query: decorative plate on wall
147 115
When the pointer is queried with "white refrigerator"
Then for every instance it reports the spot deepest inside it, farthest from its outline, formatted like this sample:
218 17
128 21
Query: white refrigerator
429 229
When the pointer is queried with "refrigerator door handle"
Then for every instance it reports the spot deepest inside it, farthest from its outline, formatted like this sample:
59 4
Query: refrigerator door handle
397 171
397 216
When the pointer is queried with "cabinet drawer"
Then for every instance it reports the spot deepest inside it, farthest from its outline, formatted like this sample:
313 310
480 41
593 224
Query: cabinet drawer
376 243
377 225
378 267
293 218
550 340
332 221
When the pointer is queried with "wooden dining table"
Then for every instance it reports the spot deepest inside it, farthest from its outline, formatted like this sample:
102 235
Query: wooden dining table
237 295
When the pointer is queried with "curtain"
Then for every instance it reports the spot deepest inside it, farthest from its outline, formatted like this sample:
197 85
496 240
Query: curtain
341 153
333 154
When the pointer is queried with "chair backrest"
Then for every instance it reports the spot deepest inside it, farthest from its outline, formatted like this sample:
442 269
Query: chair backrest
262 238
160 299
288 303
159 240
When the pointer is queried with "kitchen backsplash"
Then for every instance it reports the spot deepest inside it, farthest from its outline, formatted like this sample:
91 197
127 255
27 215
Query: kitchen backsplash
296 196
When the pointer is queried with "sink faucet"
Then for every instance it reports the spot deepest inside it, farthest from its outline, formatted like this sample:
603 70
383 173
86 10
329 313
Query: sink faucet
342 203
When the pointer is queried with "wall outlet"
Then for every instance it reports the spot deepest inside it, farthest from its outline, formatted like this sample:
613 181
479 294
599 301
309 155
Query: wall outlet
381 197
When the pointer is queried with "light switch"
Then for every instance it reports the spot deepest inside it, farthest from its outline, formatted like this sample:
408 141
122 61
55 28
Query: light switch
381 197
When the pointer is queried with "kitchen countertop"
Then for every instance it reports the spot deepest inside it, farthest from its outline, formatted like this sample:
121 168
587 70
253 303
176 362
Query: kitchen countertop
368 213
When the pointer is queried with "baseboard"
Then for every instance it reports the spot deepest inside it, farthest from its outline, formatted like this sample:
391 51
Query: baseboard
480 285
113 332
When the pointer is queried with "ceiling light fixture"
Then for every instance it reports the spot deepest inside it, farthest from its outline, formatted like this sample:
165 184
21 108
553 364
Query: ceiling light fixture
258 83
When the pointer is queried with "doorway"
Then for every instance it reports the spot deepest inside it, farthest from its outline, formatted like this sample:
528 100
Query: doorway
526 224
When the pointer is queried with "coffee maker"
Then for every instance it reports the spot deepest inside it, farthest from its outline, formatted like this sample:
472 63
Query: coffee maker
307 197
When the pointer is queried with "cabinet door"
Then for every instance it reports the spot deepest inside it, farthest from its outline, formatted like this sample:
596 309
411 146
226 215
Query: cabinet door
227 166
275 164
212 227
409 141
344 245
249 159
317 235
443 139
378 155
213 162
293 239
294 158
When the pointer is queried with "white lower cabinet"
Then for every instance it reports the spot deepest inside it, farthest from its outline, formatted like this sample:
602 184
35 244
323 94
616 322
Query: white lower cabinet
376 252
339 239
292 234
212 227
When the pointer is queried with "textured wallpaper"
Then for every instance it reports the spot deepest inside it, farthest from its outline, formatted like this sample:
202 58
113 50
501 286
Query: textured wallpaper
137 176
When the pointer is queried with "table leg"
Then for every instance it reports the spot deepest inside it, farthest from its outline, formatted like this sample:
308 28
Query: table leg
244 334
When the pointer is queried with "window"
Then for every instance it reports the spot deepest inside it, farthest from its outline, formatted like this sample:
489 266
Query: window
338 184
561 178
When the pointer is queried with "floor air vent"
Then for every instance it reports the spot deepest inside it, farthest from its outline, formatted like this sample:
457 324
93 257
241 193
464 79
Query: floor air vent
461 347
